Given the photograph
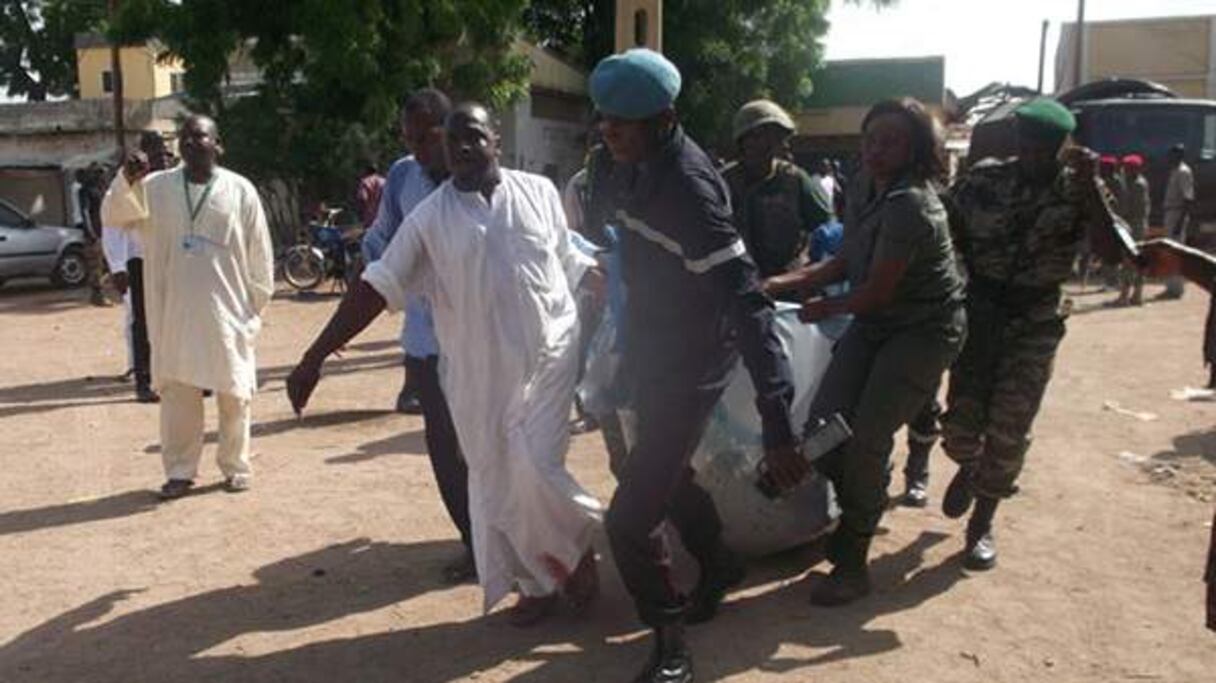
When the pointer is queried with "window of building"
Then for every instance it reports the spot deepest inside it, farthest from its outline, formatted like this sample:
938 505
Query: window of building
177 82
641 27
107 81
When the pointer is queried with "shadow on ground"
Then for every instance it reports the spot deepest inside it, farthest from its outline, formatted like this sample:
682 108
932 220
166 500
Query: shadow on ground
43 397
64 393
1196 444
169 642
112 506
40 297
408 443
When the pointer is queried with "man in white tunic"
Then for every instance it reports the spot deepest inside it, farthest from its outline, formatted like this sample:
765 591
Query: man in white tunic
490 250
209 275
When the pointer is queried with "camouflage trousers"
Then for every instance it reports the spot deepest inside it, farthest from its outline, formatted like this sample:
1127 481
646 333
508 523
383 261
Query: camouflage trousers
996 388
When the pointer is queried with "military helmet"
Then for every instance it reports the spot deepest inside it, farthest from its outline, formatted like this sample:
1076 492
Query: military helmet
759 113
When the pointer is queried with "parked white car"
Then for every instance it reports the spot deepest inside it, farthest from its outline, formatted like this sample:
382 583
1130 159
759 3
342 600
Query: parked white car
28 249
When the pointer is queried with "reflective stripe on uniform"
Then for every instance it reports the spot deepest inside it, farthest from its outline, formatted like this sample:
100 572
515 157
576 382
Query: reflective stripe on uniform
696 266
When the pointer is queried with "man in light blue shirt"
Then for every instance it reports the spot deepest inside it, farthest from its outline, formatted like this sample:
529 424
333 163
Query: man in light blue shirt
410 180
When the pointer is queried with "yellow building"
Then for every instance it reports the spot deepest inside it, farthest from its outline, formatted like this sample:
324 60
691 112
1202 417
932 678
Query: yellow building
1177 52
144 75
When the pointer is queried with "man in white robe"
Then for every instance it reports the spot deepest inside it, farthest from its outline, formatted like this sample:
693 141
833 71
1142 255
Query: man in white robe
209 275
491 251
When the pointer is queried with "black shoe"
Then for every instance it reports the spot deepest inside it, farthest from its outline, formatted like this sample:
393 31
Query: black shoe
841 587
958 496
916 493
175 488
144 394
981 554
408 403
980 551
670 661
717 578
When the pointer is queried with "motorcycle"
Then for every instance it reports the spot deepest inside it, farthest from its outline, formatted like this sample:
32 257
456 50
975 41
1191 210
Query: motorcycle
325 251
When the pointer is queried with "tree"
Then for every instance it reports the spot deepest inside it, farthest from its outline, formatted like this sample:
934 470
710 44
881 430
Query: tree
37 44
332 75
728 51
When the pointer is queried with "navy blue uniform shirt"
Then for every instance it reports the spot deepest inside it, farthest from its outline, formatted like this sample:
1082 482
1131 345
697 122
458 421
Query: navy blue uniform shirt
693 299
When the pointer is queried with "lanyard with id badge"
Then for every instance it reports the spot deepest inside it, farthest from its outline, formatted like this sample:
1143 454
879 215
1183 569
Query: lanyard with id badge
192 243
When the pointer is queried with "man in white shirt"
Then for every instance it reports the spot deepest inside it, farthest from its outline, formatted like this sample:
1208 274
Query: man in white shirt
125 255
209 275
1179 198
491 251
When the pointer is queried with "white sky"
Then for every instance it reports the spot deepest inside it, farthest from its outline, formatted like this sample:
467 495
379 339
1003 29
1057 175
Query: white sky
982 40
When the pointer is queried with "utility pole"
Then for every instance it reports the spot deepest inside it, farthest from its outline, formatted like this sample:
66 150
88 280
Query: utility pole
1042 54
1079 66
120 135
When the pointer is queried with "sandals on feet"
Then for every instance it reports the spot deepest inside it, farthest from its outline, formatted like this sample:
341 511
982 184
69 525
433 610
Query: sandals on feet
530 611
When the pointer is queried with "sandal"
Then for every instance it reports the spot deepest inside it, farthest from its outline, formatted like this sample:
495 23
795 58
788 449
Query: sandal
175 488
530 611
582 587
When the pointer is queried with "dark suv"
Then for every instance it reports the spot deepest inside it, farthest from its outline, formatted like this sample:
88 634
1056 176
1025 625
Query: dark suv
1131 117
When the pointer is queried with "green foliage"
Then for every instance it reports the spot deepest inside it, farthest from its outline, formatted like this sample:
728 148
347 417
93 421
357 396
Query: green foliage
728 51
37 44
333 74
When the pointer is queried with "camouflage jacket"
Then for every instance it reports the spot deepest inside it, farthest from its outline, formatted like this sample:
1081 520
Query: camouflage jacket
1017 241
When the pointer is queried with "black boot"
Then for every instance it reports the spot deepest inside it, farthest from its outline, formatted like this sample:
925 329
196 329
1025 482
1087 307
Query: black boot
980 552
916 476
670 661
849 580
720 573
958 496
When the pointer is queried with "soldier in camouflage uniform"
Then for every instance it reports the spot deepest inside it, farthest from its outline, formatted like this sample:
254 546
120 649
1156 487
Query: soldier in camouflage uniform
776 205
1017 224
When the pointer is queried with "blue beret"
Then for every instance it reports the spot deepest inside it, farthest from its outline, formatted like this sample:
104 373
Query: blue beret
636 84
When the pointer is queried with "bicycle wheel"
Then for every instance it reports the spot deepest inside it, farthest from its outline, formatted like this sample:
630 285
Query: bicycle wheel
303 267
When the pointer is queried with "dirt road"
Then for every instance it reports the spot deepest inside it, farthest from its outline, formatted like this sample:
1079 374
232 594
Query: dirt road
328 569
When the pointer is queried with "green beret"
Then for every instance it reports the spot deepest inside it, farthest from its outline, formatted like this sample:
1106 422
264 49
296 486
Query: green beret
1048 115
634 85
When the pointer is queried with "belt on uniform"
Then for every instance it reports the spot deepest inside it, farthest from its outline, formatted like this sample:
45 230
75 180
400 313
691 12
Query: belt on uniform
1010 296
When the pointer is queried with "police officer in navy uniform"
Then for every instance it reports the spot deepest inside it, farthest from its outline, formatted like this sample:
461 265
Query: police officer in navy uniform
693 306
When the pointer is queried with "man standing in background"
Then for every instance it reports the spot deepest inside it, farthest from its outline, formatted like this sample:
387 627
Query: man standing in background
210 273
367 194
126 256
88 198
776 204
1179 198
1135 205
410 180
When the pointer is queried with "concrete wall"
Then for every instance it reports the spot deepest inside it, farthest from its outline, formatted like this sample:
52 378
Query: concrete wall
542 145
1179 53
144 78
